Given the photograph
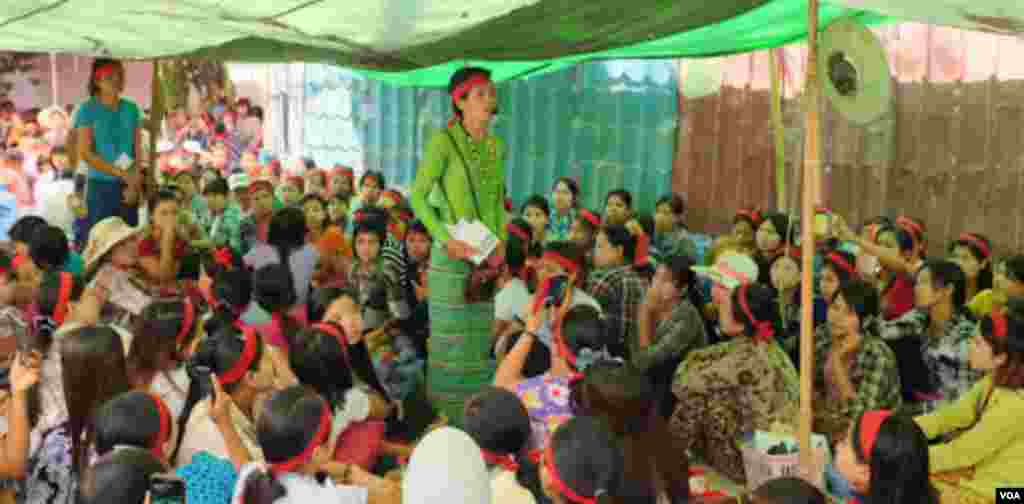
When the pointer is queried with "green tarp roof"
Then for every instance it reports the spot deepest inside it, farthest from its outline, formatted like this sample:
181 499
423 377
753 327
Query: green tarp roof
408 42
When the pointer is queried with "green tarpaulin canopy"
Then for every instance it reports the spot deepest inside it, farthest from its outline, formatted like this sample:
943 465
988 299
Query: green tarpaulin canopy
408 42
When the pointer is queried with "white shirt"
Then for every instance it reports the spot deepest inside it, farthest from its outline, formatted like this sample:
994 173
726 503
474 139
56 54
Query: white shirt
511 300
202 434
52 202
301 489
356 409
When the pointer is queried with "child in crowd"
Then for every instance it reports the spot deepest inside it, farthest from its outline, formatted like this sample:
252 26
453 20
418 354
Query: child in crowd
537 213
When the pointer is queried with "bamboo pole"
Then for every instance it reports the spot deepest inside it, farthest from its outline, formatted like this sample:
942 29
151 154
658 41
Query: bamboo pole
812 165
778 129
156 113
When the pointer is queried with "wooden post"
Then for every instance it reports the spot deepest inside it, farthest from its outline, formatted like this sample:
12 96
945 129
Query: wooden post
812 165
778 128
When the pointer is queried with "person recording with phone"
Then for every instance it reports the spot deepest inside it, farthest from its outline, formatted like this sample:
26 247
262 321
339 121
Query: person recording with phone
560 273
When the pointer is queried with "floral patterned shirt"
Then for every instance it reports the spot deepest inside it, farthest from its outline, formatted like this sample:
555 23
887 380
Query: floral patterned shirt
546 398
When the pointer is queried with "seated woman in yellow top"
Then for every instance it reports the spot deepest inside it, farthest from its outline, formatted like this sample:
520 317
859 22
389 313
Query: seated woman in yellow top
1008 282
988 451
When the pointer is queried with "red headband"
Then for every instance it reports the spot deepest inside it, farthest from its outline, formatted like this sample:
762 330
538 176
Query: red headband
63 297
519 231
346 172
244 361
870 424
186 322
750 214
764 329
978 243
549 462
914 228
467 85
1000 326
392 195
223 257
18 261
164 434
840 261
261 185
323 431
507 461
591 217
570 267
104 71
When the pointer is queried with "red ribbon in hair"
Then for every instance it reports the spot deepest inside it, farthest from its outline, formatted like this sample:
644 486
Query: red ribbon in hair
187 321
507 461
870 423
518 231
1000 325
915 229
838 260
323 431
60 312
591 217
18 261
569 266
569 493
394 196
164 435
467 85
260 185
977 242
104 71
244 361
753 215
223 257
763 330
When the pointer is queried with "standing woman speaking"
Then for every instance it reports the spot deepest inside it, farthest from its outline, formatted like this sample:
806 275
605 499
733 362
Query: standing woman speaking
107 133
462 176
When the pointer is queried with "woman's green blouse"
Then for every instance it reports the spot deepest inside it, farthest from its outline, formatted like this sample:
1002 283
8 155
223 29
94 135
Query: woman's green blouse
442 165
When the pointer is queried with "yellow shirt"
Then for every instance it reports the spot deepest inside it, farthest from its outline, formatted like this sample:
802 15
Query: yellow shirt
994 446
982 303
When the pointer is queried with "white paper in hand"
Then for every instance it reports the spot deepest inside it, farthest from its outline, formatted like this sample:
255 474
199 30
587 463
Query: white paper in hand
124 162
476 235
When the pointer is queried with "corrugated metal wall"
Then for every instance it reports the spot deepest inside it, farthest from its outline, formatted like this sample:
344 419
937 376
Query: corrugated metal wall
612 124
950 153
